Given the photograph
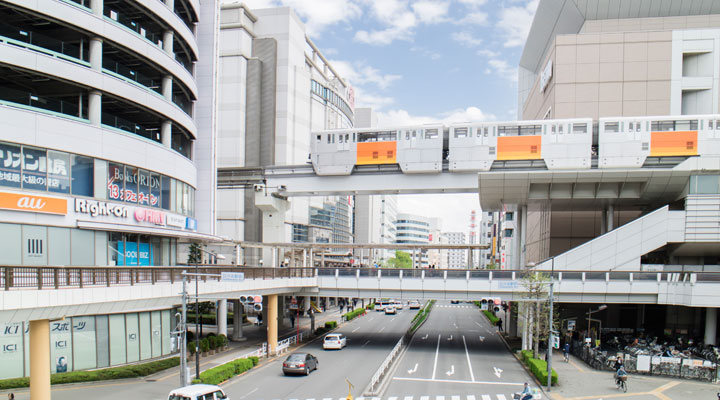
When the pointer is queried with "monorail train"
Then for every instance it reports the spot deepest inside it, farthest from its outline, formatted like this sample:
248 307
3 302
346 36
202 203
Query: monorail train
621 142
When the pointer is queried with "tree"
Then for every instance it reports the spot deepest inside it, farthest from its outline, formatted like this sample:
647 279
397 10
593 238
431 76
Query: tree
536 308
195 254
401 260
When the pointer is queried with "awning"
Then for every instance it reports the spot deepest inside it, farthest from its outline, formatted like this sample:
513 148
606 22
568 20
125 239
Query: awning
146 230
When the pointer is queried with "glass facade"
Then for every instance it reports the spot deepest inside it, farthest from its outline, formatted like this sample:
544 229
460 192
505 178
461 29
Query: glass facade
25 167
89 342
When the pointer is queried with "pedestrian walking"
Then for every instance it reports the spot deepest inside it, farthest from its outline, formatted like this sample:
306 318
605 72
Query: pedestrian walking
11 396
499 324
292 320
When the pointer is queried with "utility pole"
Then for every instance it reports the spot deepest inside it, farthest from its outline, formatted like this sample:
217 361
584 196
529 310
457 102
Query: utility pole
550 324
183 327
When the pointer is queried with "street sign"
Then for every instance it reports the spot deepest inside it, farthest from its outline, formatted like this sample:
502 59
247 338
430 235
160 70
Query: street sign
571 325
556 342
232 276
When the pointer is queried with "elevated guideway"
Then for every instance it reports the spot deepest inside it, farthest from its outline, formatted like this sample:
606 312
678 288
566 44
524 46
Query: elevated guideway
34 293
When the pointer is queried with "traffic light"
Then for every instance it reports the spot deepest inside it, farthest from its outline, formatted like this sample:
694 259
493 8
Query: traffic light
505 306
254 301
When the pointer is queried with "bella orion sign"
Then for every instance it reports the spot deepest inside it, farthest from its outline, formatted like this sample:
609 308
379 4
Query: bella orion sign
32 203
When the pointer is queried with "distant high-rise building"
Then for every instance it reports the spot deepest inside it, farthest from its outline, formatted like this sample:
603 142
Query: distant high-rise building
457 258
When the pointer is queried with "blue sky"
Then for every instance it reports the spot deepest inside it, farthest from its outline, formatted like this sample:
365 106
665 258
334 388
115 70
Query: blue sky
420 61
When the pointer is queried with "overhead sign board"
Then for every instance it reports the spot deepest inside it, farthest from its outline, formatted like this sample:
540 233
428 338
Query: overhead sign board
33 203
232 276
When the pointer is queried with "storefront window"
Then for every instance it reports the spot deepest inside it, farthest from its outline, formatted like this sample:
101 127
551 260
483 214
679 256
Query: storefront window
155 189
58 172
166 196
11 341
10 165
116 181
133 337
82 176
60 346
144 188
118 352
131 184
34 169
84 345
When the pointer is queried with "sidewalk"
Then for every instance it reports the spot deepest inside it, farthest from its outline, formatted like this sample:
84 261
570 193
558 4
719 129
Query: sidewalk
577 381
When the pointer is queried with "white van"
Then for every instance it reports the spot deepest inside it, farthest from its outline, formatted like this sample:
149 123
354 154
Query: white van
198 392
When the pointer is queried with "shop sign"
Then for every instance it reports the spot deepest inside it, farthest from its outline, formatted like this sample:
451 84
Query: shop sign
546 75
32 203
100 208
151 216
191 224
177 221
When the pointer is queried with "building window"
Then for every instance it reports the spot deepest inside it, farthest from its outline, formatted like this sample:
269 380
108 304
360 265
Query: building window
508 233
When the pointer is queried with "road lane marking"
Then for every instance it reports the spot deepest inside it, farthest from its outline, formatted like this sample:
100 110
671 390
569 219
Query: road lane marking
425 398
501 397
439 397
498 372
412 371
381 329
425 337
486 397
482 339
457 381
467 354
392 398
452 370
471 397
356 329
249 393
437 351
450 338
365 344
454 397
408 398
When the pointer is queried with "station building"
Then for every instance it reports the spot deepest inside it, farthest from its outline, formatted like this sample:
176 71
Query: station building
629 60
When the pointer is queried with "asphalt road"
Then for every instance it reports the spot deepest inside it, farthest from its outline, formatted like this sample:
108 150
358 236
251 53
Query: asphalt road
369 340
456 354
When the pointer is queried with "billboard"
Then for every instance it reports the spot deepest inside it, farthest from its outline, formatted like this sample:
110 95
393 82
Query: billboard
679 143
519 147
369 153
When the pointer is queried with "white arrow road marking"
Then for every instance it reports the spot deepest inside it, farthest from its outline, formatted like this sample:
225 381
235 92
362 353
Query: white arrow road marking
452 370
450 338
482 338
425 337
365 344
412 371
249 393
498 371
381 329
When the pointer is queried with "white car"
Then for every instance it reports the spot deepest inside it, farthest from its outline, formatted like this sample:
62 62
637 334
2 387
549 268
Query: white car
398 305
198 392
390 310
379 307
334 341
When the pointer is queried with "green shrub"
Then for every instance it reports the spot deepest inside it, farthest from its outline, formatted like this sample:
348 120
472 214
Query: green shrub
330 325
222 341
128 371
191 347
371 306
353 314
223 372
254 360
204 345
211 334
493 319
537 367
321 330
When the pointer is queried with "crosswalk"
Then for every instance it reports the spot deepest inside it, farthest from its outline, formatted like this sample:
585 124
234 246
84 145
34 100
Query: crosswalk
453 306
454 397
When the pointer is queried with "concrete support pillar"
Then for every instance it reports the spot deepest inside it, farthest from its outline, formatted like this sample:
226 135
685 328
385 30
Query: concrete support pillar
95 107
238 255
167 87
40 359
610 217
512 320
523 236
168 42
603 222
95 53
305 305
97 7
414 260
526 345
238 313
710 326
312 262
273 220
272 323
221 317
304 264
166 133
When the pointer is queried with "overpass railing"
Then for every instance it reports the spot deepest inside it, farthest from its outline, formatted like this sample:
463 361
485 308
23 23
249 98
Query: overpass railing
25 277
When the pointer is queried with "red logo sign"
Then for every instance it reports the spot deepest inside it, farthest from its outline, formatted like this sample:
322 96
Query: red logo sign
151 216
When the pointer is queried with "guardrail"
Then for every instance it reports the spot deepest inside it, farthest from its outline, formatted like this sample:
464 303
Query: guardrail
377 378
25 277
285 344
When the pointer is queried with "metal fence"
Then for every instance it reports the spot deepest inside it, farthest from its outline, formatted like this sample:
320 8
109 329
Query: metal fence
676 367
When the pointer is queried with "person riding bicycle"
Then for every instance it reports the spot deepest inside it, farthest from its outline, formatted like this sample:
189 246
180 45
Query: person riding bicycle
526 394
566 351
618 364
619 374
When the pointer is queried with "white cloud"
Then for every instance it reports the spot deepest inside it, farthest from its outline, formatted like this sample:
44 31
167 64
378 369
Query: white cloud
515 23
502 68
426 52
360 74
473 3
400 117
475 18
466 39
488 53
430 12
364 98
317 15
453 210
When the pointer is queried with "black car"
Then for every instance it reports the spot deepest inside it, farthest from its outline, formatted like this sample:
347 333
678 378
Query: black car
300 363
454 301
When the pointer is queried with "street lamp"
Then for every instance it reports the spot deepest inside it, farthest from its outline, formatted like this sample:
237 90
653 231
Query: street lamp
550 323
197 313
590 313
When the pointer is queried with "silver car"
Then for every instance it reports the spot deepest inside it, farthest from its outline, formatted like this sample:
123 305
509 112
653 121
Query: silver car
300 363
